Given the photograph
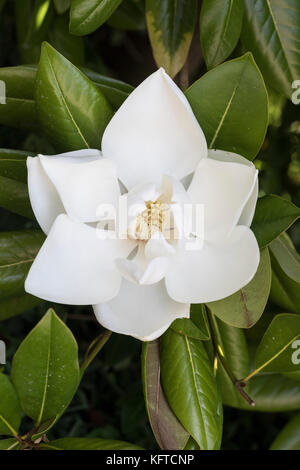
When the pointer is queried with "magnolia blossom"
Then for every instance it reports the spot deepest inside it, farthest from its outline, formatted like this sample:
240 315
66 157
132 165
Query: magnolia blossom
155 158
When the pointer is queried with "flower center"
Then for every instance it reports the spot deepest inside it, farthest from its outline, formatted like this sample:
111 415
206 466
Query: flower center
155 218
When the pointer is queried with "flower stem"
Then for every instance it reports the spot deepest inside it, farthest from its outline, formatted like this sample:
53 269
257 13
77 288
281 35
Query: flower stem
92 351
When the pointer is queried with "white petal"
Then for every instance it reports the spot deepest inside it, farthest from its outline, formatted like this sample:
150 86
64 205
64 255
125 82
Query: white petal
249 209
144 312
159 246
223 188
45 201
215 271
84 183
75 266
143 270
153 133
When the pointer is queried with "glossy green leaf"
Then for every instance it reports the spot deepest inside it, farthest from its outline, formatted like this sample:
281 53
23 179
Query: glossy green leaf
10 409
194 327
278 350
289 436
168 432
13 178
130 15
19 110
72 111
287 257
271 392
285 291
70 46
17 253
87 15
190 387
17 304
220 28
191 445
271 30
81 443
62 6
33 19
273 215
244 308
231 104
115 91
45 369
9 444
171 27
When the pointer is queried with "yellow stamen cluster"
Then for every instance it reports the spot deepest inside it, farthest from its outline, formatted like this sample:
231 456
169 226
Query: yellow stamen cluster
153 219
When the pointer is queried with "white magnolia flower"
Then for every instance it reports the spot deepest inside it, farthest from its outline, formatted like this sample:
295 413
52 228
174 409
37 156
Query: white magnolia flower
139 284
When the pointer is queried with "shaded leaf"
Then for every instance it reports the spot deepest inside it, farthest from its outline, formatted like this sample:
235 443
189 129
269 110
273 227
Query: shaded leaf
289 436
271 30
171 27
286 256
168 432
17 304
244 308
129 16
9 444
273 215
70 46
230 103
17 253
220 28
45 369
81 443
62 6
10 410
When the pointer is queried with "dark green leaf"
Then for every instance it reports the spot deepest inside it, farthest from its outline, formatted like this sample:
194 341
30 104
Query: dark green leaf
287 257
130 15
12 306
244 308
80 443
273 215
9 444
17 252
70 46
168 432
87 15
33 19
10 410
285 292
62 6
45 369
289 436
271 31
72 110
220 28
171 27
196 326
231 104
276 351
13 164
271 393
19 110
190 387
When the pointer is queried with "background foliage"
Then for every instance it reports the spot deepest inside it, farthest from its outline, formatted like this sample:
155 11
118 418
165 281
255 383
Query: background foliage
235 47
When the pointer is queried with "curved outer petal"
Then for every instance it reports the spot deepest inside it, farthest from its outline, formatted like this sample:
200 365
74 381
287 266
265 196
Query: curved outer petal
153 133
84 183
215 271
45 201
144 312
75 266
223 188
249 209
